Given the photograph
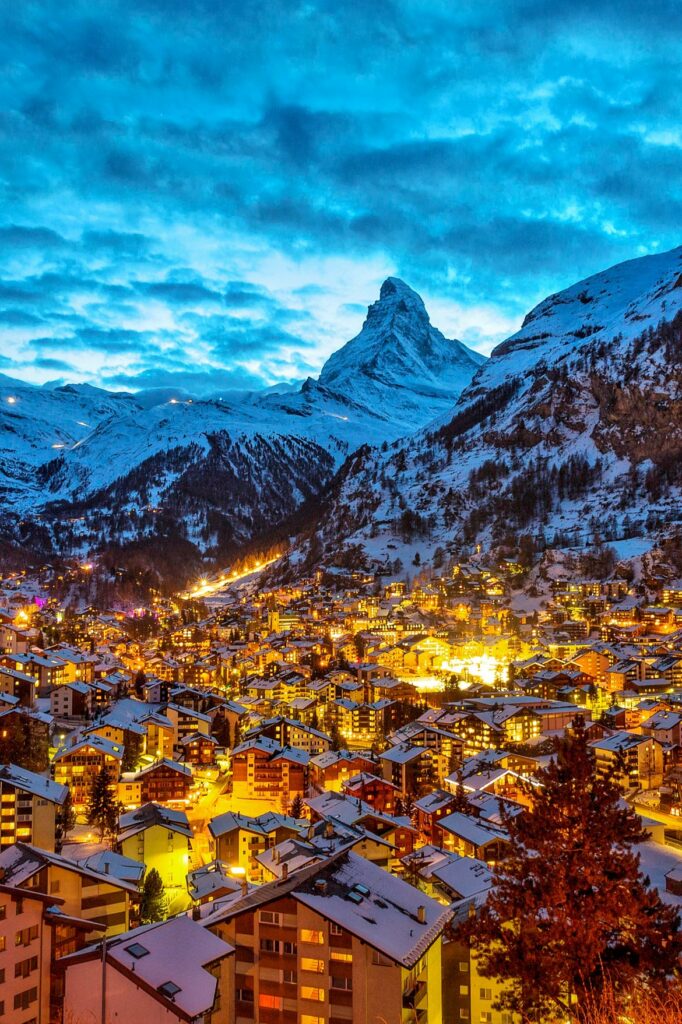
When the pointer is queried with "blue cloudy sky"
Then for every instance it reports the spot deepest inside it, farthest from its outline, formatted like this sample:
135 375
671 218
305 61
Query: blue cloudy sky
208 194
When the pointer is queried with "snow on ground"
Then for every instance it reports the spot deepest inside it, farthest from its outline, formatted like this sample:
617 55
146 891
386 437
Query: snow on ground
656 861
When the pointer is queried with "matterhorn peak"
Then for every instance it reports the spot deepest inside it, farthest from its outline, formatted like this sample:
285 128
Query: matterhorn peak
399 348
396 296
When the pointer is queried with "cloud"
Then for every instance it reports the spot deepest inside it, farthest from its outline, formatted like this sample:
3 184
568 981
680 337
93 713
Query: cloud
169 168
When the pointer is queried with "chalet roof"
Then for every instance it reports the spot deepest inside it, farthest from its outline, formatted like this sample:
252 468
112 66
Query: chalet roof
171 957
360 897
149 815
31 782
22 861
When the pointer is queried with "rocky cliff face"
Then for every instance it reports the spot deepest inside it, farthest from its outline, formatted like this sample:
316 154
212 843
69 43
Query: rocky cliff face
84 469
572 430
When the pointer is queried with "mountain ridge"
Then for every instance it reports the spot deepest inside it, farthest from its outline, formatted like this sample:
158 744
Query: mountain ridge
73 452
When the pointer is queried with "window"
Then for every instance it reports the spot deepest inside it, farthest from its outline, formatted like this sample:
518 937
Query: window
486 993
23 1000
26 935
23 968
289 977
307 1018
267 917
55 886
169 989
2 943
463 967
309 992
464 1013
3 913
136 950
309 964
342 983
270 1002
270 945
244 995
290 948
486 1017
335 929
344 958
309 935
378 959
464 990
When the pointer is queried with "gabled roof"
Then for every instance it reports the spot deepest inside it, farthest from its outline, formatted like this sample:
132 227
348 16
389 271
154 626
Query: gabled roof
101 744
264 824
149 815
169 960
360 897
165 762
31 782
22 861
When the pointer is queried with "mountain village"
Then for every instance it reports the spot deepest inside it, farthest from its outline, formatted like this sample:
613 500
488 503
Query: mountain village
276 804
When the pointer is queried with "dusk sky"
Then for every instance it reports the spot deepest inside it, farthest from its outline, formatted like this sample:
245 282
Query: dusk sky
207 195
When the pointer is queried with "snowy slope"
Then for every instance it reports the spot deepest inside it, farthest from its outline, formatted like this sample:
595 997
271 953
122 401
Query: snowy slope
399 360
77 452
573 428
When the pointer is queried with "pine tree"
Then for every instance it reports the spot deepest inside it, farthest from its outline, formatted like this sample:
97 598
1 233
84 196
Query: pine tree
65 821
296 809
570 911
132 749
102 808
140 683
153 902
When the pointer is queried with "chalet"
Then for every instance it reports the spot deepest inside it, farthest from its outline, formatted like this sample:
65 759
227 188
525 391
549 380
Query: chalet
158 838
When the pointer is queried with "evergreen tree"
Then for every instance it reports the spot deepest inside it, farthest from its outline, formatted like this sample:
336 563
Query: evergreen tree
153 902
132 749
221 730
65 821
296 809
570 911
139 684
102 809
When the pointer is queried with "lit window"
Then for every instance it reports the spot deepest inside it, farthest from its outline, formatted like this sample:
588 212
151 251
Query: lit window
316 994
344 958
270 1002
308 935
309 964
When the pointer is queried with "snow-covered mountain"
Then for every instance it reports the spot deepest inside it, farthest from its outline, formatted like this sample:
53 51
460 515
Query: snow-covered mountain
399 362
572 430
83 468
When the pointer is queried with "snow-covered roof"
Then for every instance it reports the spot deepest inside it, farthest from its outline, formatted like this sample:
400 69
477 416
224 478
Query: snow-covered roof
149 815
171 958
31 782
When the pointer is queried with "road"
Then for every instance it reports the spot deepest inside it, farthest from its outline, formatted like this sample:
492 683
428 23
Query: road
206 588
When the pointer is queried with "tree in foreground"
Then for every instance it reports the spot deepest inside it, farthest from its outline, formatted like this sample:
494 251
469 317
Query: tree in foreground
153 902
570 914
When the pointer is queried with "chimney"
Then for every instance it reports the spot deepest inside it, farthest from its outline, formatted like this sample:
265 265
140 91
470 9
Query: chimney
421 914
106 867
245 887
285 871
328 830
196 913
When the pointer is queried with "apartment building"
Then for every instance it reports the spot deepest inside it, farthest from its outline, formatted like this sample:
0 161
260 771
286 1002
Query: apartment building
339 941
28 807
